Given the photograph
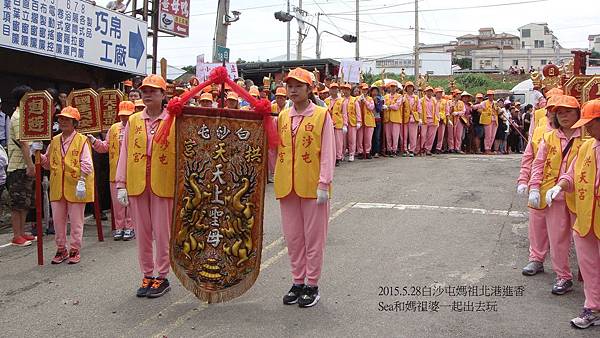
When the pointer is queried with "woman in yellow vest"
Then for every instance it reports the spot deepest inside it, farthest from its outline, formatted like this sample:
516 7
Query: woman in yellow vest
430 117
365 134
537 230
583 178
340 120
455 133
555 153
146 179
112 145
276 107
441 104
352 107
303 176
71 183
392 119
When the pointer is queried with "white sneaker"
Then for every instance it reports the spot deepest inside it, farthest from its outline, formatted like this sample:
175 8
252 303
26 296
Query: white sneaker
351 158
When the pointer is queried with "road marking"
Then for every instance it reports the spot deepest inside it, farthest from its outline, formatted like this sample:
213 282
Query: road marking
269 262
5 245
476 211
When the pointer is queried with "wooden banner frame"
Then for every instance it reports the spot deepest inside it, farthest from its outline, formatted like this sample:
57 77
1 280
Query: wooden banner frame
90 111
109 110
591 90
574 86
221 172
42 120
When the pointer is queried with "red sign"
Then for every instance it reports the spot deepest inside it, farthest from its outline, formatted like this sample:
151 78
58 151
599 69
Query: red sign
591 90
174 17
109 107
88 104
36 116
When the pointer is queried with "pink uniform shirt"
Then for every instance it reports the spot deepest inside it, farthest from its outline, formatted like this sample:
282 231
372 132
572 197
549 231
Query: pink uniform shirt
85 161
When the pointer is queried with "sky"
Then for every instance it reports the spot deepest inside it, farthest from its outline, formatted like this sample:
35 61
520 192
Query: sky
386 26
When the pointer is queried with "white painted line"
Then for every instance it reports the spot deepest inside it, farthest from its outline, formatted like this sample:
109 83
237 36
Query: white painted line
274 243
476 211
5 245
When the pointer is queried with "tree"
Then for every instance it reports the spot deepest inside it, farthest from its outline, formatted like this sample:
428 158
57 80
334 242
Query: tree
463 63
189 69
239 60
595 58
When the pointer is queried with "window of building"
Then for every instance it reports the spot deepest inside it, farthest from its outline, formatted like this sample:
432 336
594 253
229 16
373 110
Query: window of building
515 62
538 43
525 33
522 44
543 62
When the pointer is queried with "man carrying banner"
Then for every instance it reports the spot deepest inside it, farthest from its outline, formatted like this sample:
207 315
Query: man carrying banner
71 168
112 145
303 176
146 179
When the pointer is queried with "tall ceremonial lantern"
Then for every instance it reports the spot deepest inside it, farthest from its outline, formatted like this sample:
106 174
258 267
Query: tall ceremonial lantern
221 167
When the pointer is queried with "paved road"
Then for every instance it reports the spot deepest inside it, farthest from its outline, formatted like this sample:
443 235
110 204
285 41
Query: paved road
423 247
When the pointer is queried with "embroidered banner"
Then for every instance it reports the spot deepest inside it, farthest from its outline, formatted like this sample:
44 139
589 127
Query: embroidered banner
36 116
216 237
87 102
109 107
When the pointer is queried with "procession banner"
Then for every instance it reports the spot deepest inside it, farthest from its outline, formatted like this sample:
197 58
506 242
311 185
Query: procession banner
591 90
350 71
574 86
109 107
88 104
216 237
36 116
204 69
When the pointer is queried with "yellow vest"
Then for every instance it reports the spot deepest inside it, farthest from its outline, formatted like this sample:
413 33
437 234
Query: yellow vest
62 185
298 165
351 109
584 186
489 109
394 116
162 180
458 106
442 109
336 113
538 115
368 115
552 166
538 133
436 121
408 109
275 108
114 147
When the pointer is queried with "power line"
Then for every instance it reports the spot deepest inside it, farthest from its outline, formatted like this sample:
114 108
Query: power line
383 7
328 18
396 27
453 8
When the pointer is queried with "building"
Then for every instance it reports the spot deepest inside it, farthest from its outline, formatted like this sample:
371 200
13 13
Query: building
430 63
594 41
537 35
492 59
486 39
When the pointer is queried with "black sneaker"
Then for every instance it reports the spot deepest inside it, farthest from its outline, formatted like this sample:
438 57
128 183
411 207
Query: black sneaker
292 296
146 283
337 163
310 296
159 287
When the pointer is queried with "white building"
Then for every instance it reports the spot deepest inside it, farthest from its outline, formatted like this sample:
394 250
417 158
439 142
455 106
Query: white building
537 35
594 41
491 59
429 63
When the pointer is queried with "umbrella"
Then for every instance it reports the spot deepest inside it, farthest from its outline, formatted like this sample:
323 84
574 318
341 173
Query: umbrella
386 82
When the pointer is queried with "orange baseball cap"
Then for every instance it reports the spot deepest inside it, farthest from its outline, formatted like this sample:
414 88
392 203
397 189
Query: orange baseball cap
409 83
479 95
232 96
280 91
126 108
591 110
456 91
566 101
139 103
154 81
299 74
70 112
254 91
346 86
206 97
428 88
364 86
489 92
554 91
439 90
326 90
392 84
334 85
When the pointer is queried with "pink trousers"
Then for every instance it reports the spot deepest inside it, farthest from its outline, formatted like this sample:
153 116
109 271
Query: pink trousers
352 135
121 213
73 212
365 139
152 216
427 136
339 144
392 134
272 157
410 135
457 135
588 259
538 235
304 224
450 136
560 221
441 132
490 135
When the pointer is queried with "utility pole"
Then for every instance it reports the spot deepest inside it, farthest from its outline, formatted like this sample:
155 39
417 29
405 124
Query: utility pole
357 36
416 39
300 35
155 5
288 32
220 28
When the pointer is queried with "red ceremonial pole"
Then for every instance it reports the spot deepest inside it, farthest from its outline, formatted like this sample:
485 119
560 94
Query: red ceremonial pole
97 215
38 208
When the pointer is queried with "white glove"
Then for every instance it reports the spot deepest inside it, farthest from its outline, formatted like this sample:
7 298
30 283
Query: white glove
122 196
358 125
534 198
420 123
344 129
522 189
385 107
91 138
552 193
322 196
38 145
80 189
